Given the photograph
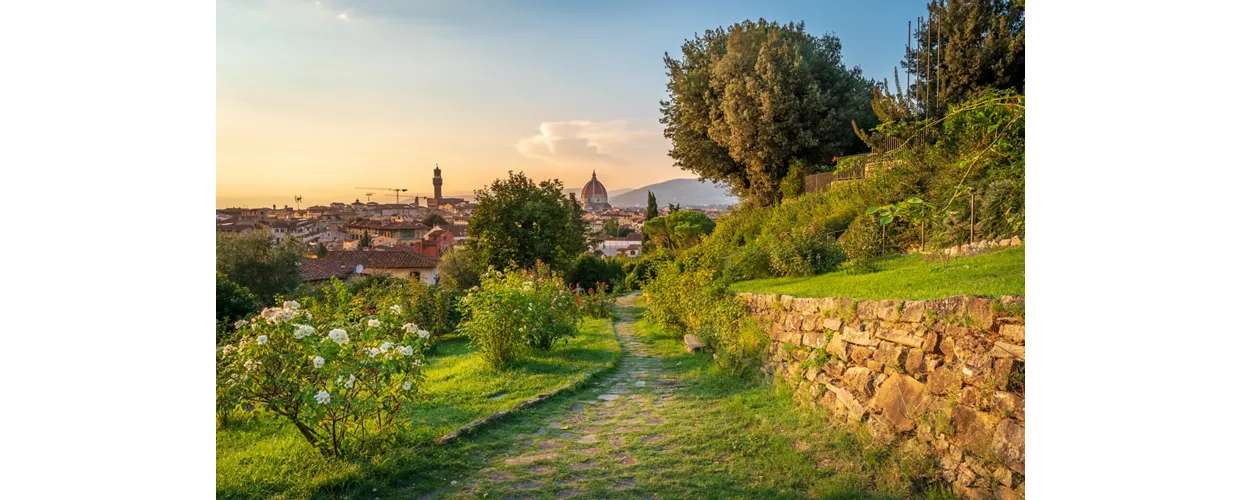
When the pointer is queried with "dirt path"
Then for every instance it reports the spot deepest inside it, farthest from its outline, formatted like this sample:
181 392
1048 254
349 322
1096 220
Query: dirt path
588 447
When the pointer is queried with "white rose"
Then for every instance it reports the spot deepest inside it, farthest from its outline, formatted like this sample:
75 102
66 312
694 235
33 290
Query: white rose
291 304
302 331
373 323
385 346
405 350
323 397
240 323
318 361
408 385
340 336
262 339
349 383
395 308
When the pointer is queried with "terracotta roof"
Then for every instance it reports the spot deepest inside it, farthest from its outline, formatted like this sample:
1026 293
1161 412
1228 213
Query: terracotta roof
381 259
320 270
375 224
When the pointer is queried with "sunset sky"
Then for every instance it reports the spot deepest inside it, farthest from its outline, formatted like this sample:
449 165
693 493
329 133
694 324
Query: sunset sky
317 97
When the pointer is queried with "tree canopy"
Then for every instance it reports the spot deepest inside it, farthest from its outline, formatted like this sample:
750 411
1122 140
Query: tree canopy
747 100
678 229
518 221
433 220
257 262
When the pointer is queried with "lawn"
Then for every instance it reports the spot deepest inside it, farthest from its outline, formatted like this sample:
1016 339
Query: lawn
265 456
910 277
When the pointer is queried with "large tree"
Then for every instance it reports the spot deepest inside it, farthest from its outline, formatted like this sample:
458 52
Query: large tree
678 229
258 263
963 48
519 222
748 100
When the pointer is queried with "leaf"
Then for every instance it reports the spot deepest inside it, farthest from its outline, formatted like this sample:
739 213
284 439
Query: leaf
886 220
871 210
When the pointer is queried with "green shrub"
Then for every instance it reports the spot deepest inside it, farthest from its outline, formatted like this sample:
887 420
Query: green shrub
592 271
861 242
596 303
516 309
805 251
233 302
341 383
638 272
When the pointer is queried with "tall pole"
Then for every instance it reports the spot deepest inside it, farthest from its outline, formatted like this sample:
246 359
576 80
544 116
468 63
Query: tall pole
972 206
908 56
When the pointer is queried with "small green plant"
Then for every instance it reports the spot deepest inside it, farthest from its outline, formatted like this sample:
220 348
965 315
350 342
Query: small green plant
516 309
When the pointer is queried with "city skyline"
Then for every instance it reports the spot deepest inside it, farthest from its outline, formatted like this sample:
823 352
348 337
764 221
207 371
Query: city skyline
316 98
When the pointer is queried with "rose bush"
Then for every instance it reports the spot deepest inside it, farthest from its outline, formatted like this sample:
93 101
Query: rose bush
514 309
340 378
596 303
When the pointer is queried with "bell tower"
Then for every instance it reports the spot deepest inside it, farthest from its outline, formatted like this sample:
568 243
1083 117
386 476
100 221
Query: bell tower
438 182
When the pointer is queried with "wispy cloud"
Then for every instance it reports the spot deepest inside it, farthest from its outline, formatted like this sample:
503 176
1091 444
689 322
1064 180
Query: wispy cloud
343 16
582 142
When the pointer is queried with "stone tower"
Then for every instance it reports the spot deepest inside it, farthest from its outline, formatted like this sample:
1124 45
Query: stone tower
438 182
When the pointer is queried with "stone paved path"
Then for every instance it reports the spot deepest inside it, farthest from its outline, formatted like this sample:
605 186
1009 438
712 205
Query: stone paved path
586 449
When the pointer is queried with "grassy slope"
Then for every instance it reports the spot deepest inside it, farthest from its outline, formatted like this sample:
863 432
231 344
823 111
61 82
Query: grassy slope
910 277
265 456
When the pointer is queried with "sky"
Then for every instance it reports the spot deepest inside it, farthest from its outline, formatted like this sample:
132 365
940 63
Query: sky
315 98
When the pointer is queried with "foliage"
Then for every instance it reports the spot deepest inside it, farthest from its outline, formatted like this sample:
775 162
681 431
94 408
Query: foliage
254 260
861 242
612 227
320 250
461 267
518 308
433 220
805 251
678 229
913 211
910 277
638 271
341 383
364 242
232 302
652 206
965 49
596 303
747 101
519 222
592 271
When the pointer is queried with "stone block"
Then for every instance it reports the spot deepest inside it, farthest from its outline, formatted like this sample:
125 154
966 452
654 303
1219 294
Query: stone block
828 305
799 354
943 380
814 339
867 309
973 430
1006 242
981 311
692 344
874 365
1016 241
901 399
859 337
902 337
1008 444
1006 350
947 306
785 301
860 380
1014 333
947 347
913 312
929 341
833 324
1010 403
915 362
837 346
853 408
792 321
788 337
836 368
888 310
971 396
811 372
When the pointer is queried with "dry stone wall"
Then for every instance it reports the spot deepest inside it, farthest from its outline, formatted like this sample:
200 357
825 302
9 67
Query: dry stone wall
943 377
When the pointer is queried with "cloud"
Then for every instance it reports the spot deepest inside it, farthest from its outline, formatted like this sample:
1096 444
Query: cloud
343 16
582 142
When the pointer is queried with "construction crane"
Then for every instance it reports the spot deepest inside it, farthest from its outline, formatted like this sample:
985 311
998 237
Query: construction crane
396 191
297 200
368 195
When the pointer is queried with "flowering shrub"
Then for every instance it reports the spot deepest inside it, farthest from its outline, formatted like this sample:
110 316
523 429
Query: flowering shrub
596 303
340 379
511 310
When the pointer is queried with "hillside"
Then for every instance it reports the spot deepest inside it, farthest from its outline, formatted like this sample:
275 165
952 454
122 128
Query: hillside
687 192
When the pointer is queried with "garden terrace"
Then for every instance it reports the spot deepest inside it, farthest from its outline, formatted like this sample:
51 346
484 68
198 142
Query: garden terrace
909 277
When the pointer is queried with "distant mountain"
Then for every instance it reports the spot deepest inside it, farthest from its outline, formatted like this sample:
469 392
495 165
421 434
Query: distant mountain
686 192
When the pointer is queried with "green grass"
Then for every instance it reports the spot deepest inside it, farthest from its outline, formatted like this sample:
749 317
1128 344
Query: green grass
910 277
265 456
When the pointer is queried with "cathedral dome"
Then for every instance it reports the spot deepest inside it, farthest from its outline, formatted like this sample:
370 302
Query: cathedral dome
594 195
